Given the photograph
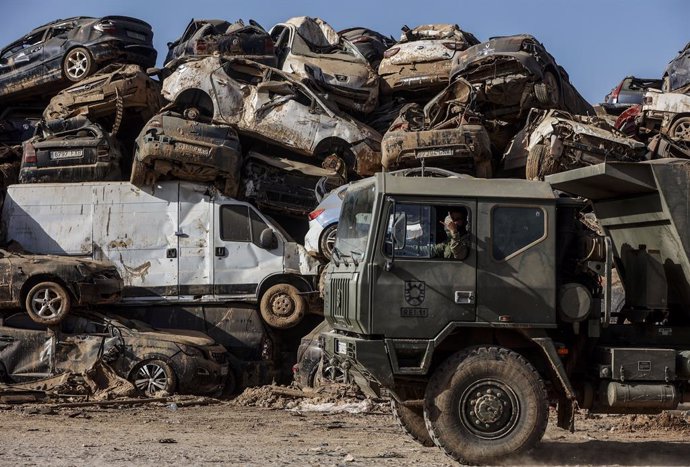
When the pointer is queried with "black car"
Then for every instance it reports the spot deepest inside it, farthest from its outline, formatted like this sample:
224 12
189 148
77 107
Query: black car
56 54
629 92
677 74
370 43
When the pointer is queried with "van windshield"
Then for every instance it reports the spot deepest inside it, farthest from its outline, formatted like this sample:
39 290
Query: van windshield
355 220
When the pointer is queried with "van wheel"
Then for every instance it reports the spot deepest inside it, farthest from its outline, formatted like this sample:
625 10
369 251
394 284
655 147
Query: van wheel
282 306
47 303
485 403
77 64
411 420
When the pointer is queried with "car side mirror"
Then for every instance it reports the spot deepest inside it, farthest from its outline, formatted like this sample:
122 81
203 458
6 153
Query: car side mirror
399 231
267 239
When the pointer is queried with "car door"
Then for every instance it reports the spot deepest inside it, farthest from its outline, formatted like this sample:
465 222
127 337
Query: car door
27 349
83 341
54 49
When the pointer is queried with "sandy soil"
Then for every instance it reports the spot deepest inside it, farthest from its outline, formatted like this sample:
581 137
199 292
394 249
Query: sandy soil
231 433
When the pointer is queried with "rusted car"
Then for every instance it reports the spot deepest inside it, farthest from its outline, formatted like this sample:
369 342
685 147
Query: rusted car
555 141
446 133
422 59
516 73
667 113
56 54
47 286
209 36
170 145
71 150
153 360
371 44
311 49
115 93
268 105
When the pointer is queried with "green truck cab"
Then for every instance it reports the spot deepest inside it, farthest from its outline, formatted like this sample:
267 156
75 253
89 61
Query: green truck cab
473 348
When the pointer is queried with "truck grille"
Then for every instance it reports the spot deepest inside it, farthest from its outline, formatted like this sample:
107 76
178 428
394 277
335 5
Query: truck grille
339 297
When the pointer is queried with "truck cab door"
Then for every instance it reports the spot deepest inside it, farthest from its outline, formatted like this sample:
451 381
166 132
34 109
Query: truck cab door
241 262
417 290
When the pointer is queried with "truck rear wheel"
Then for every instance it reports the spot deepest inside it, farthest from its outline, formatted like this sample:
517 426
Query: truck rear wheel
282 306
485 403
411 420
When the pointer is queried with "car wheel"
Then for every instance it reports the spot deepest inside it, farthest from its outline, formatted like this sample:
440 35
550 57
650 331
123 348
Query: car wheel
485 403
282 306
47 303
327 241
680 130
152 376
535 159
77 64
546 92
411 420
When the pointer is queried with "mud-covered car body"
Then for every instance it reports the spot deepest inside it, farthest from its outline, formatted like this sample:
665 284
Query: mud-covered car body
516 73
209 36
677 73
17 124
423 57
555 141
310 49
170 145
269 105
199 364
71 150
371 44
445 133
628 92
667 113
33 64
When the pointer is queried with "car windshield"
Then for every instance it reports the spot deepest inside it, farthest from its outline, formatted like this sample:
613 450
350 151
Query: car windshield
355 221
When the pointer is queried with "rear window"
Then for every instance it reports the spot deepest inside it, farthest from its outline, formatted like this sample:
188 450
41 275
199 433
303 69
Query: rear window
514 229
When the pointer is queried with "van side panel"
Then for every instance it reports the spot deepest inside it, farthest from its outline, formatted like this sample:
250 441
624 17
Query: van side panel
195 249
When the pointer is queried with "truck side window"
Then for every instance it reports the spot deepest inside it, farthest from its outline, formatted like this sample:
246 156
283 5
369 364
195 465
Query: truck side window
234 223
258 226
515 228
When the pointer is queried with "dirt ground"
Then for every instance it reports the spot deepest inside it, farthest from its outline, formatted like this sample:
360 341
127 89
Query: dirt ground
300 432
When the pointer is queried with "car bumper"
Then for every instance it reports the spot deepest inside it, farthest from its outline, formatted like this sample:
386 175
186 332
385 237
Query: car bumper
202 376
113 50
100 291
419 76
311 240
100 171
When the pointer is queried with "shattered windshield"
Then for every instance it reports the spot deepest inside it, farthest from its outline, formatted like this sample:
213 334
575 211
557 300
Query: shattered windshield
355 221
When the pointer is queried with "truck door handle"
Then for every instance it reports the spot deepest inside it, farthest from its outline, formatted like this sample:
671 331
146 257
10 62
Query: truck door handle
221 251
171 253
464 297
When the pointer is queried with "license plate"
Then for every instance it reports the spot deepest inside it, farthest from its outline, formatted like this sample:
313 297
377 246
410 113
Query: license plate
341 348
136 35
434 153
67 154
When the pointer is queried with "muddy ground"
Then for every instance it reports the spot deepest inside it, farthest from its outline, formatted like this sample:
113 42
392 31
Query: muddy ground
230 432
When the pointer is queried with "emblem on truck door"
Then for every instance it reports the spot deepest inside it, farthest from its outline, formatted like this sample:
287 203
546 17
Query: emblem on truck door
415 292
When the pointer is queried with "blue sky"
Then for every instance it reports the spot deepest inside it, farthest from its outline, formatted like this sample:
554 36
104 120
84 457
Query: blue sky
597 41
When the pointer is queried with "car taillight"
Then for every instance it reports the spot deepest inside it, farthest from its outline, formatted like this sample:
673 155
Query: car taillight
107 27
390 52
315 213
615 92
453 45
200 47
29 155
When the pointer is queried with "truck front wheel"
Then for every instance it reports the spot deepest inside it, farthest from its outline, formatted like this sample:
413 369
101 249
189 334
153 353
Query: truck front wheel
282 306
485 403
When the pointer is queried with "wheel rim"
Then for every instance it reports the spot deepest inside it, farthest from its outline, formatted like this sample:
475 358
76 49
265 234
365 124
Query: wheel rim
151 378
489 409
330 241
282 305
46 303
76 64
681 130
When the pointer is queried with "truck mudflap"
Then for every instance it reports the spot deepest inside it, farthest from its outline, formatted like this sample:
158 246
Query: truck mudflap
364 361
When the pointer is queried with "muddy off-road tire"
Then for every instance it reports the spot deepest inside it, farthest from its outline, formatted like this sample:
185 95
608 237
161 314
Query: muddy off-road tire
77 64
282 306
47 303
485 403
327 241
153 376
535 159
411 420
546 91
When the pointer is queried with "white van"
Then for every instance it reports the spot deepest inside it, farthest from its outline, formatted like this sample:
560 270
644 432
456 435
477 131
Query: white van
174 242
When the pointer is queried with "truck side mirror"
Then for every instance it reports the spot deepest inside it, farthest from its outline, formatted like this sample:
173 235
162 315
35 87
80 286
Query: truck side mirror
399 230
267 239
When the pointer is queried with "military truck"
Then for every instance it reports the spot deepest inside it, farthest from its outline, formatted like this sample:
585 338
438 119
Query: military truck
474 350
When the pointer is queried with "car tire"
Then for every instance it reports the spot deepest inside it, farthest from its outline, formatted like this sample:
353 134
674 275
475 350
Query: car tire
282 306
327 241
411 421
152 376
47 303
485 403
535 159
77 64
547 92
680 130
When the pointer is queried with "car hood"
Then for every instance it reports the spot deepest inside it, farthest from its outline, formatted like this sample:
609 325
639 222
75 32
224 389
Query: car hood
429 50
314 30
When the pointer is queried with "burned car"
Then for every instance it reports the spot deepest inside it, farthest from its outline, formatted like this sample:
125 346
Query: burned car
47 286
68 50
677 74
170 145
209 36
71 150
152 360
266 104
555 141
371 44
446 133
311 49
516 73
422 59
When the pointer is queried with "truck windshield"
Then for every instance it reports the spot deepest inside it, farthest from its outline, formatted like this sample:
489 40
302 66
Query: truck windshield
355 220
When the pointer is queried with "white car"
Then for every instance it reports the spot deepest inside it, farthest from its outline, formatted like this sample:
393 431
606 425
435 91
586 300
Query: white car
323 224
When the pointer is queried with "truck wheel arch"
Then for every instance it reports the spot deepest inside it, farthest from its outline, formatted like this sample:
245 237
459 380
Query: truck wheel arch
33 280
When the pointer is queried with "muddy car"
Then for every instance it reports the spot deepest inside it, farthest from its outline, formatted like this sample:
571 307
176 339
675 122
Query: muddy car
18 123
422 59
677 74
56 54
445 133
371 44
667 113
267 105
172 146
283 186
115 93
72 150
48 286
516 73
311 49
209 36
152 360
555 141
